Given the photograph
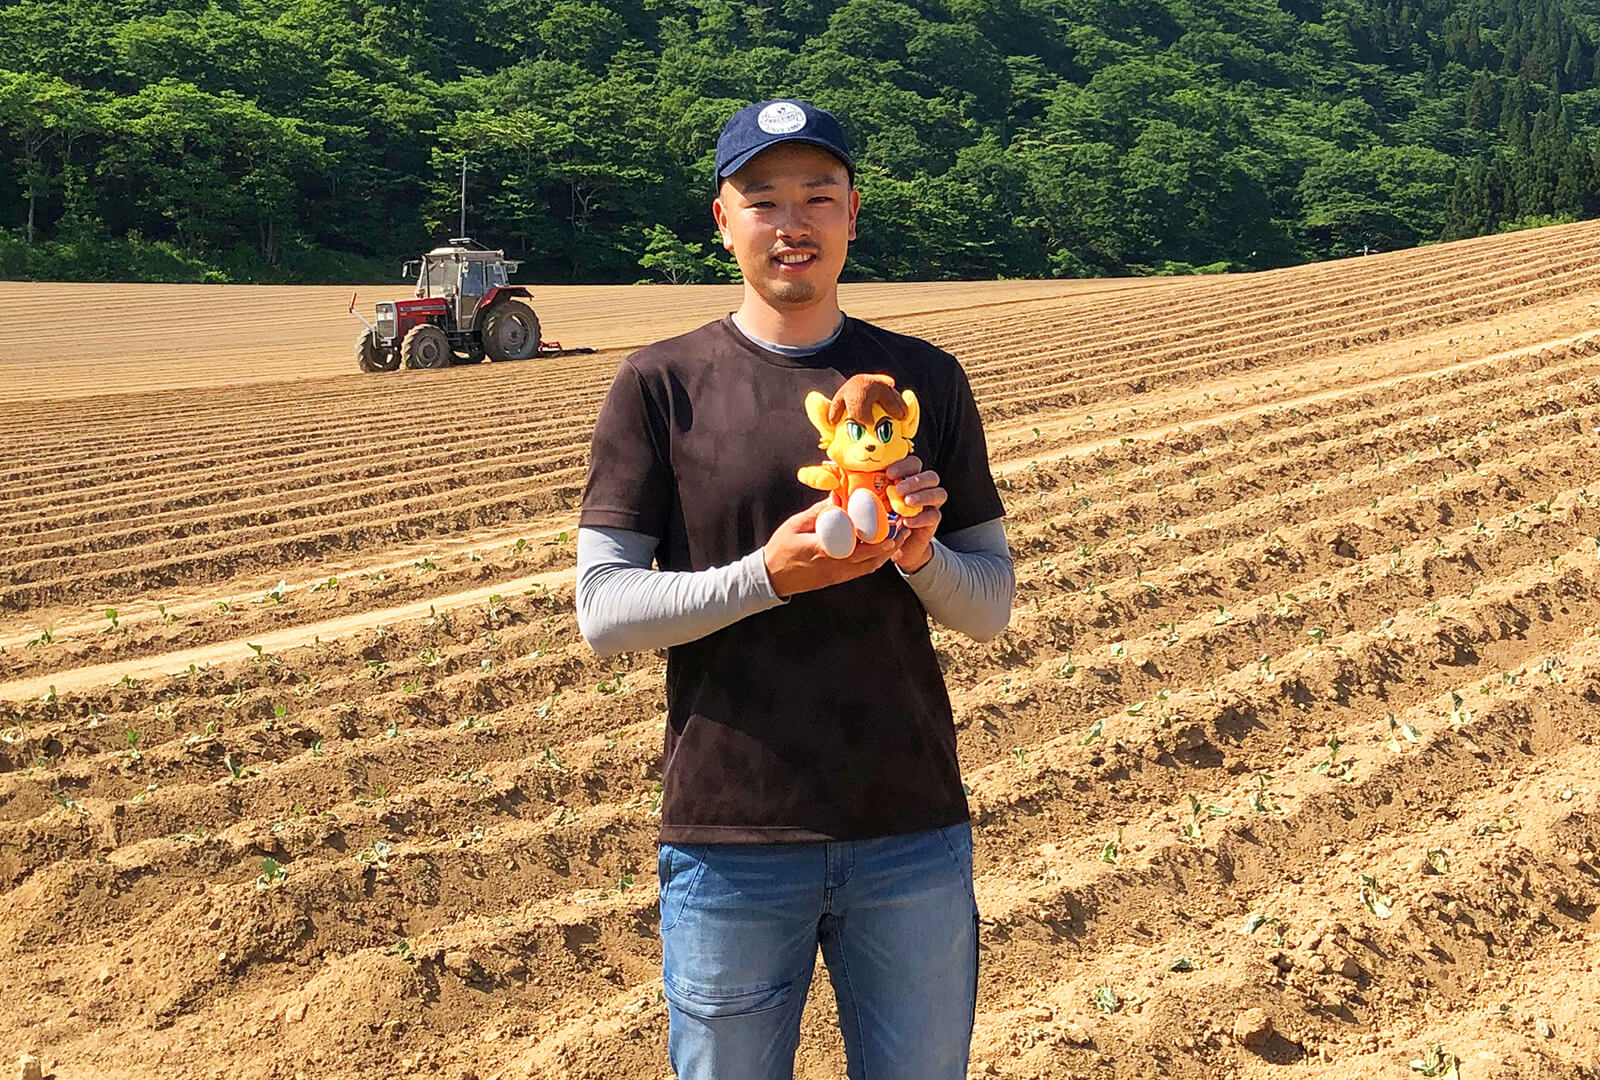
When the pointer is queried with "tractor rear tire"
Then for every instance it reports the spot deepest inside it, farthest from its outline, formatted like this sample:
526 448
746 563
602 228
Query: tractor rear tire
510 331
370 356
425 348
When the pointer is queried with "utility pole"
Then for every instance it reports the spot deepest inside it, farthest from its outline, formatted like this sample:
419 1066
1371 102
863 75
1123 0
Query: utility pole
463 231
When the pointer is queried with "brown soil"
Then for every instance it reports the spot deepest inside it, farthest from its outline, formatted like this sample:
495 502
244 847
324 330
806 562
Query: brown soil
1310 550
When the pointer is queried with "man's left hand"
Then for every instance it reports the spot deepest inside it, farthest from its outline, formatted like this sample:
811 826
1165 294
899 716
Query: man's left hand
918 488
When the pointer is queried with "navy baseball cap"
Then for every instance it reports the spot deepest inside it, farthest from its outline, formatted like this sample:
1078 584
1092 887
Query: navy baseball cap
756 127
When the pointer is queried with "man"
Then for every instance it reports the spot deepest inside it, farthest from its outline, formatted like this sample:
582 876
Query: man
811 795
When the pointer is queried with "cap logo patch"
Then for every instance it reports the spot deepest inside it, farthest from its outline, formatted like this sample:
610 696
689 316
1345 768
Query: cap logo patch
781 118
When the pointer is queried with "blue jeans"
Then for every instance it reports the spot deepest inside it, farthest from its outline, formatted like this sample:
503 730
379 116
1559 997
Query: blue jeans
898 926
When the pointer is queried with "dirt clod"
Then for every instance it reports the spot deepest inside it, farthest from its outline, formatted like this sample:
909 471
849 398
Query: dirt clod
1252 1028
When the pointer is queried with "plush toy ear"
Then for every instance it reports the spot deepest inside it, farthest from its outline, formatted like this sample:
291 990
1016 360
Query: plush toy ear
817 410
913 414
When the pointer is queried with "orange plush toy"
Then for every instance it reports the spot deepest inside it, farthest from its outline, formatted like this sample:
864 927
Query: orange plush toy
865 428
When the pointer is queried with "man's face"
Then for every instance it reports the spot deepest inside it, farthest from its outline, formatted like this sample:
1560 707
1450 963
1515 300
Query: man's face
788 216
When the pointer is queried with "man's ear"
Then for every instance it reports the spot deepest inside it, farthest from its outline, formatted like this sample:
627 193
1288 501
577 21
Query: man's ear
817 410
719 213
855 209
913 418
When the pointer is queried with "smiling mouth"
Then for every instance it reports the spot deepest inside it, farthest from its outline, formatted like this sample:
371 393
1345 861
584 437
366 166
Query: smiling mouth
795 260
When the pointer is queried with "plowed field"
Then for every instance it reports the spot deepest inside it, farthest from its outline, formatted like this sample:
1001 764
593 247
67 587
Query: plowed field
305 770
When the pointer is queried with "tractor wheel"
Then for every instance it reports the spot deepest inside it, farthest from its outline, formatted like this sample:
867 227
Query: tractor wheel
510 331
370 356
425 347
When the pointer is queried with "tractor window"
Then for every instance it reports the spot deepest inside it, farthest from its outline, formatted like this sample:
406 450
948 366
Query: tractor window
496 274
437 277
472 279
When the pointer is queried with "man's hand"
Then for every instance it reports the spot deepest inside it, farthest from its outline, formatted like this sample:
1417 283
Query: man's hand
796 562
922 489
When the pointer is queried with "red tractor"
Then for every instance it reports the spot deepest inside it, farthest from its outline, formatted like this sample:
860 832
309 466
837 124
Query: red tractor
463 311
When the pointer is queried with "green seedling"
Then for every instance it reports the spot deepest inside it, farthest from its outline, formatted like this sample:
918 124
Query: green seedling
1437 1062
1119 651
546 707
424 565
410 686
1197 814
166 616
429 656
129 681
655 800
625 882
1408 731
1136 709
486 665
520 546
262 655
554 760
1067 669
470 723
1020 753
1096 730
272 873
1331 765
1374 896
1261 800
375 856
402 949
1105 998
1436 861
49 697
274 594
67 802
112 618
1183 963
326 586
236 771
376 668
316 748
393 730
279 710
1317 634
1112 848
1491 828
613 685
133 745
46 636
144 796
1458 715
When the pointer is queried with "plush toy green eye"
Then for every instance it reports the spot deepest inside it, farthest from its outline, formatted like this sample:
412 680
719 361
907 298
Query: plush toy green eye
885 431
854 430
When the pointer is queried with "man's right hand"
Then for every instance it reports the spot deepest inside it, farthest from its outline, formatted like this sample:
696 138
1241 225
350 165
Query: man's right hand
796 562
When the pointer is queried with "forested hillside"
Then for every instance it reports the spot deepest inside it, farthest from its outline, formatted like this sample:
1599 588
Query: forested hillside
314 140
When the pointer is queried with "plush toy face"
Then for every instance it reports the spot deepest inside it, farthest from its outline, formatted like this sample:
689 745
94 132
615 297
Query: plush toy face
866 426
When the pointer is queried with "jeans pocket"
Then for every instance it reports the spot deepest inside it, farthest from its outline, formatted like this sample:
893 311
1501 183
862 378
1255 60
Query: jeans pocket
676 870
958 842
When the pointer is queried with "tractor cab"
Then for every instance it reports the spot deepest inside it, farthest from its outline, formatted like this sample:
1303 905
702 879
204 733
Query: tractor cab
463 273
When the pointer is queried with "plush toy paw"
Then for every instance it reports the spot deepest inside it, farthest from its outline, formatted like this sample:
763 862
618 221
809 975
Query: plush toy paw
836 532
867 514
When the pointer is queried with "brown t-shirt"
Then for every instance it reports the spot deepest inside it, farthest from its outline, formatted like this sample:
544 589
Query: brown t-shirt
826 717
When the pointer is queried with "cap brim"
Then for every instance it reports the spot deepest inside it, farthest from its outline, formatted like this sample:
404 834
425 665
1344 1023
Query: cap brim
745 158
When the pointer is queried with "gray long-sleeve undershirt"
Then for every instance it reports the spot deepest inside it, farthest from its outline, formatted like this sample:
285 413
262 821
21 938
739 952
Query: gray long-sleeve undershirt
625 605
